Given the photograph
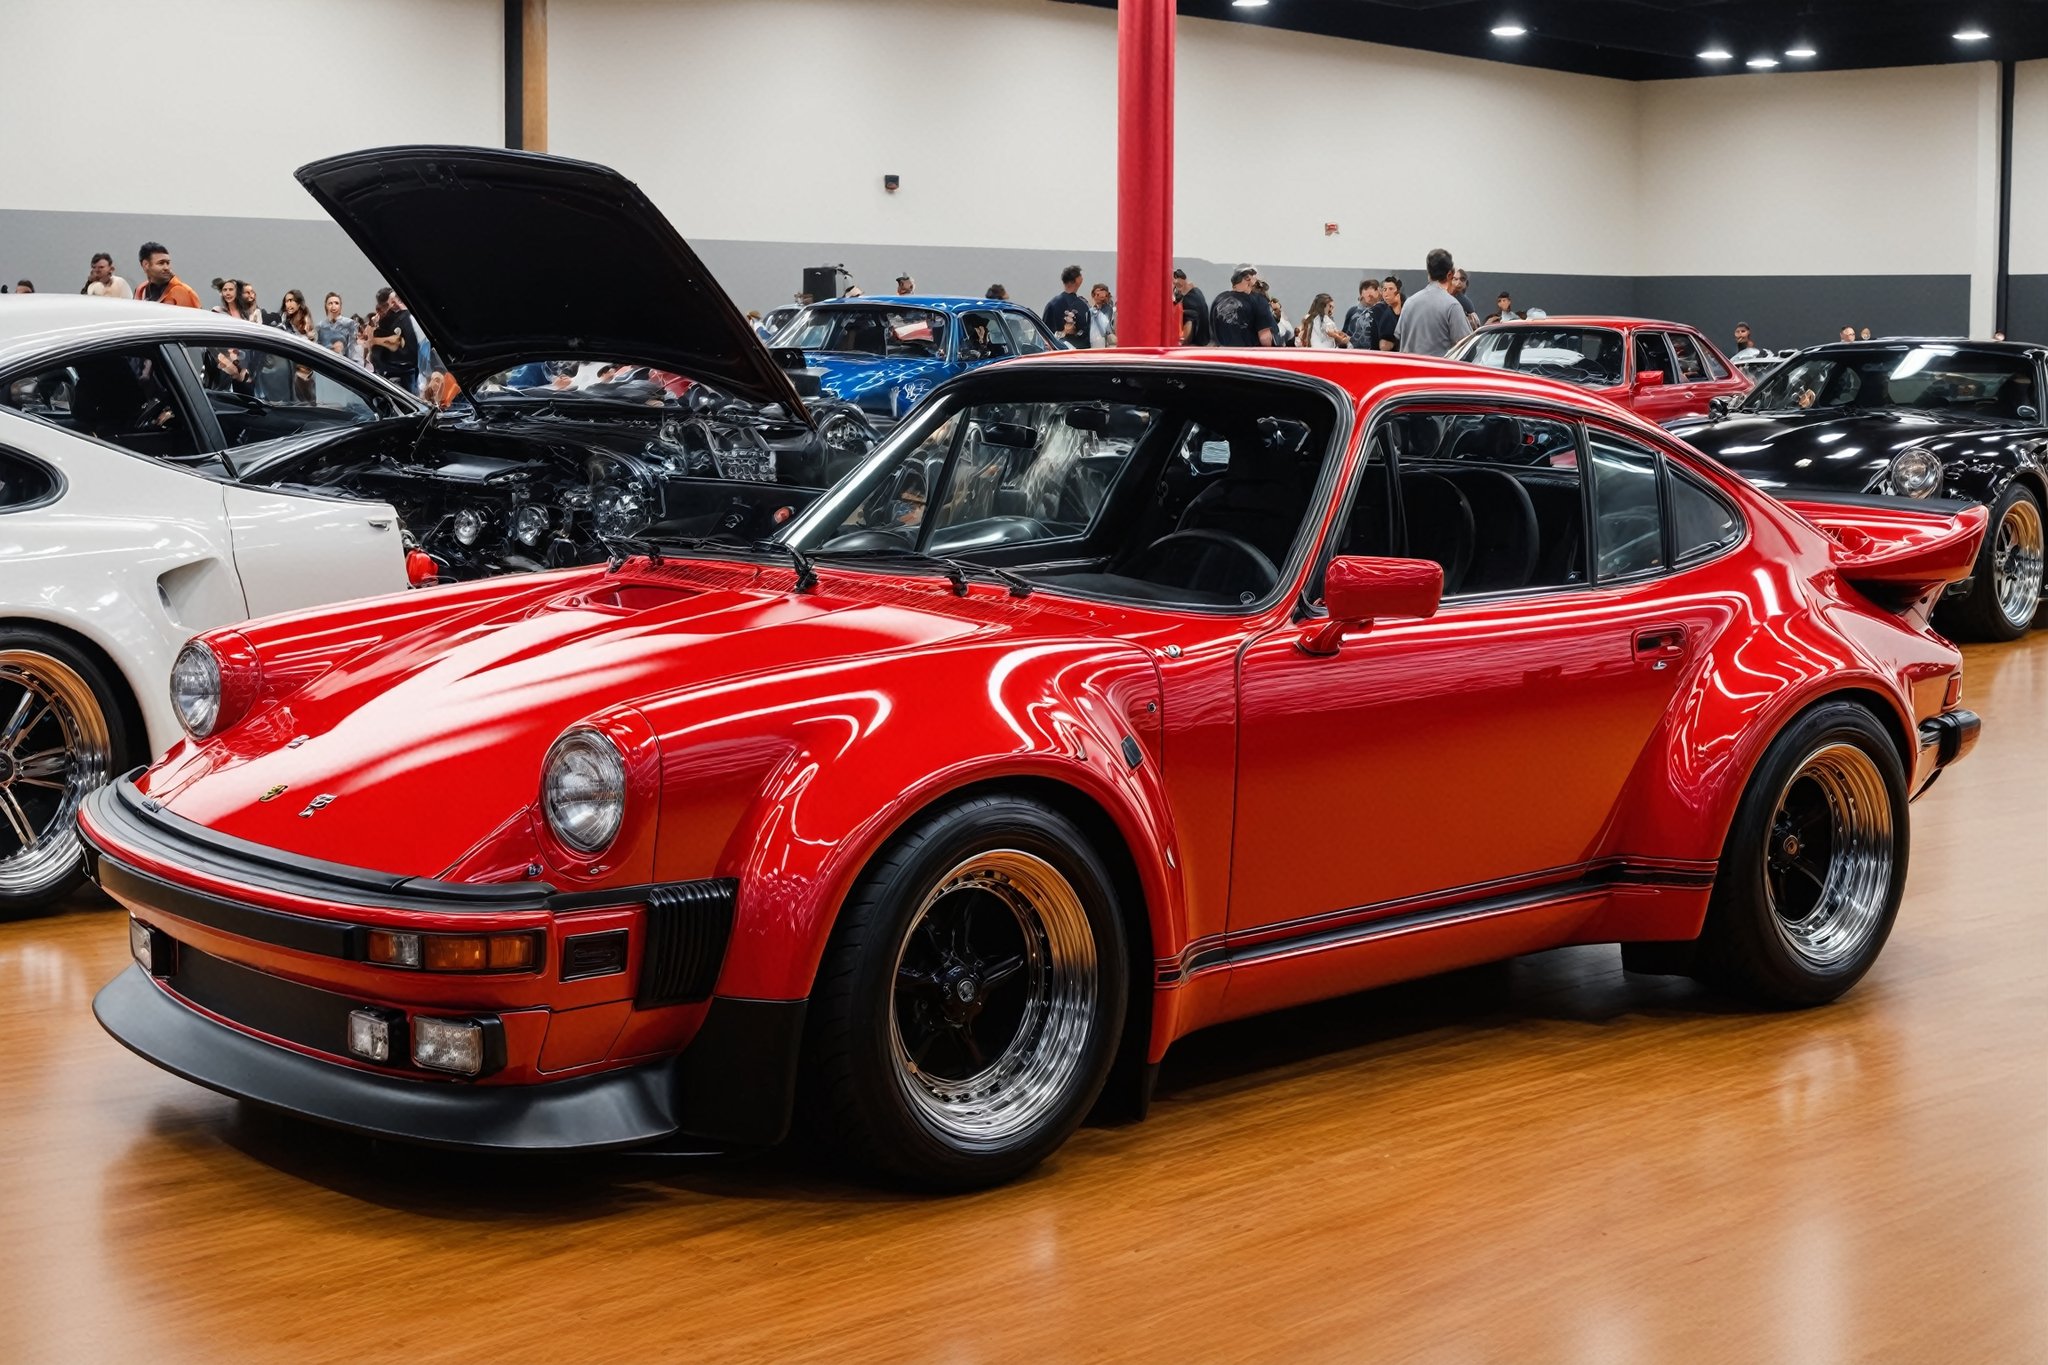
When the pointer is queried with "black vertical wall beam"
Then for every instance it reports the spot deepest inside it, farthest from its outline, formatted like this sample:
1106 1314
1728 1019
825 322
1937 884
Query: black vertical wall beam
515 75
2008 75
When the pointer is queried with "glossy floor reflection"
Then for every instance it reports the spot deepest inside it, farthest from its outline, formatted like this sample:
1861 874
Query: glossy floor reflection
1542 1161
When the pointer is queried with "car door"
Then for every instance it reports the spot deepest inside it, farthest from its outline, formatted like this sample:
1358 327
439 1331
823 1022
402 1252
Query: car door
1723 379
296 548
1650 354
1691 379
1429 765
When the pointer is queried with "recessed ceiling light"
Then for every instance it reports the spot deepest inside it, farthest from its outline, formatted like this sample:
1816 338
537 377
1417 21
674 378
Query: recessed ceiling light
1508 30
1971 35
1247 4
1761 63
1801 51
1715 54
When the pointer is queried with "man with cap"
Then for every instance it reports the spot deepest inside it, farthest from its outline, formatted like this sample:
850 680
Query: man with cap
1194 311
905 285
1241 316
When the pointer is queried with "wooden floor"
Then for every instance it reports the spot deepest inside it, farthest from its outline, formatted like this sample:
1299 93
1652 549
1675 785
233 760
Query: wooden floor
1545 1161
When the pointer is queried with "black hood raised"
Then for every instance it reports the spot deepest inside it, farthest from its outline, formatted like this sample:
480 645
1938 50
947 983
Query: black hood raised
507 257
1840 449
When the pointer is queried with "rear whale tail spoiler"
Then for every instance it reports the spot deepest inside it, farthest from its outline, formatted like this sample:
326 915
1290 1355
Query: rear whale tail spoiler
1895 551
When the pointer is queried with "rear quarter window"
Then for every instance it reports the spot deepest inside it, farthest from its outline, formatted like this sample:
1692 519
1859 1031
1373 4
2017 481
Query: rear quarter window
25 483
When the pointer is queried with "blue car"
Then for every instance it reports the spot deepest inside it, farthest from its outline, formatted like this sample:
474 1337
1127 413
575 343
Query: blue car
886 354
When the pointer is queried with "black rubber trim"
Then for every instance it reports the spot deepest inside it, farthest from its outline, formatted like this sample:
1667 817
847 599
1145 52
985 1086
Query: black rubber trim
737 1079
128 818
613 1109
683 938
301 933
1951 735
1891 502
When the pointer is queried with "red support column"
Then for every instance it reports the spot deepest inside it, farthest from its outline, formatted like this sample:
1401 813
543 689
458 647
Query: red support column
1146 314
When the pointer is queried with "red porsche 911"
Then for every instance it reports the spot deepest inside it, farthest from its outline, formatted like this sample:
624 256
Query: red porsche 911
1115 694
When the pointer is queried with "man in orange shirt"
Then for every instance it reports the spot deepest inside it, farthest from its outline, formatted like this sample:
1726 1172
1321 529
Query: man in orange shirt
159 283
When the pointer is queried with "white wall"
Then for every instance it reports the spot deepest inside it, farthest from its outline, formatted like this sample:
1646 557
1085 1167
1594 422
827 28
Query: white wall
1000 116
2030 170
206 106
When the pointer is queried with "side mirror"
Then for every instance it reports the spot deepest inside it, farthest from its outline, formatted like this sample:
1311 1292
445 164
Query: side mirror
1649 379
1718 405
1358 591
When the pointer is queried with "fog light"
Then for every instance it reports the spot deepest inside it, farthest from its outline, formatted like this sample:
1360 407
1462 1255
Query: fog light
393 950
155 952
448 1045
370 1032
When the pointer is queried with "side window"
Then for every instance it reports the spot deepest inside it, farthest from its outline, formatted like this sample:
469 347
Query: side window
1037 472
1691 368
121 397
1651 356
1025 334
24 482
1494 498
1714 366
1702 525
259 394
1490 349
983 337
1628 520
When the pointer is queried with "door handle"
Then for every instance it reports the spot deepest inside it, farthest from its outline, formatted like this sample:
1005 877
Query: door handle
380 523
1662 643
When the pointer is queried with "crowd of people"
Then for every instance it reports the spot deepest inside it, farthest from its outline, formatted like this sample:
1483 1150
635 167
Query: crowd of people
385 339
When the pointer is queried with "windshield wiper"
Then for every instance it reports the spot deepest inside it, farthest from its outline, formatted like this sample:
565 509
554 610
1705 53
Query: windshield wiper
806 575
958 571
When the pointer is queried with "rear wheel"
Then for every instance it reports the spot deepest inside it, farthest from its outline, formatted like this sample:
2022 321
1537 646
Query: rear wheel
61 735
971 1000
2005 587
1815 864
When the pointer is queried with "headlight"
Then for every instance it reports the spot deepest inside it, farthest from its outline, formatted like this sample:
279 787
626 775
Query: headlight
618 513
469 524
195 689
583 790
530 524
1916 473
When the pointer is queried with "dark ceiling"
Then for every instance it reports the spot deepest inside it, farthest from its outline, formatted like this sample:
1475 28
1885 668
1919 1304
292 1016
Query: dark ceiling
1646 40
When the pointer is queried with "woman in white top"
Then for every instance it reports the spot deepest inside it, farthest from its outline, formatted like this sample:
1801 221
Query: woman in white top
1320 327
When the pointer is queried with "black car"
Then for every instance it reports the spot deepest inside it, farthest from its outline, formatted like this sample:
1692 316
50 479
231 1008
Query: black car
1918 417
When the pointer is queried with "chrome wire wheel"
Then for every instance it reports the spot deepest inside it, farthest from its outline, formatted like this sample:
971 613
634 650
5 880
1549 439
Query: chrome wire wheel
994 997
55 748
2016 562
1828 860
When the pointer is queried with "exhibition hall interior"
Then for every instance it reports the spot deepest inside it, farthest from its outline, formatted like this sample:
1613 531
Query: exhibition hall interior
1024 680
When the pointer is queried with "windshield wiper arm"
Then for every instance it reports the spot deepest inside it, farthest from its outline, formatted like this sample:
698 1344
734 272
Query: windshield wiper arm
806 573
957 571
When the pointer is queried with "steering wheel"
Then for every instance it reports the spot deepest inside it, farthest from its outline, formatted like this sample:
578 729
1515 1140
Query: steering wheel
1266 576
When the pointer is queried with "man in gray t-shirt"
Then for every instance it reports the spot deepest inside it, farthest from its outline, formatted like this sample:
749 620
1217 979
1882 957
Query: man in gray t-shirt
1433 321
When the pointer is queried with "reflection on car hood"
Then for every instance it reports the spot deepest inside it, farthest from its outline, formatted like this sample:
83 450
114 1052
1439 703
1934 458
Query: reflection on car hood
513 256
1831 449
852 375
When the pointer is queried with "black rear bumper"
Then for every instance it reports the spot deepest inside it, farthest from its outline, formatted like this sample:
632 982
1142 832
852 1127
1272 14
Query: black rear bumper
1951 735
614 1109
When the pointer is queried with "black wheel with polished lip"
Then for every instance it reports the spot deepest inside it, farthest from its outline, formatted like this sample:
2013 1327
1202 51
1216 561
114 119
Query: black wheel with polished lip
1815 863
2005 586
971 999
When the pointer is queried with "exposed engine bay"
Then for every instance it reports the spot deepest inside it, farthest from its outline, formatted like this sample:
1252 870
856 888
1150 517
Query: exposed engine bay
550 482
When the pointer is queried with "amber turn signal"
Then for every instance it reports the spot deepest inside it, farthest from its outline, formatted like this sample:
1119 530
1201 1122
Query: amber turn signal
453 952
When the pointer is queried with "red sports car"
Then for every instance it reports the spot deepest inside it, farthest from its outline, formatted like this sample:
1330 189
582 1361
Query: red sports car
1115 694
1658 370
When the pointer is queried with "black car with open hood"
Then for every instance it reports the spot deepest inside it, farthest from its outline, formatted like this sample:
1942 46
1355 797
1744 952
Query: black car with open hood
629 396
1910 418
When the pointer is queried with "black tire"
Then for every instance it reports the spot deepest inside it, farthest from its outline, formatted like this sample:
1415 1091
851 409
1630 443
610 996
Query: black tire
1815 863
1982 613
886 989
90 721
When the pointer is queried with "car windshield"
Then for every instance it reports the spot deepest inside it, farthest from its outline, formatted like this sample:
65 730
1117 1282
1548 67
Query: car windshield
1919 378
1577 355
868 330
1143 486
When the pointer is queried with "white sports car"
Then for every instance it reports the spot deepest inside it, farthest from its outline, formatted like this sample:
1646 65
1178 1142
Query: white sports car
123 532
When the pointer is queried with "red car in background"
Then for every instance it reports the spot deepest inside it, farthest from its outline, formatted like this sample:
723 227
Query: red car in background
1661 371
1114 695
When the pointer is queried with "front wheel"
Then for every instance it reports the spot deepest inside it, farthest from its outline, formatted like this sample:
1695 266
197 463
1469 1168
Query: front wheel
1815 864
971 999
2005 587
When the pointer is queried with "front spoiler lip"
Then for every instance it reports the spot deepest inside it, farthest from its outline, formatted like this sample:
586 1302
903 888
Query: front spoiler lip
624 1108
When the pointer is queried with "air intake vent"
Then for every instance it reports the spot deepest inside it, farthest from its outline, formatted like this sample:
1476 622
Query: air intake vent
687 926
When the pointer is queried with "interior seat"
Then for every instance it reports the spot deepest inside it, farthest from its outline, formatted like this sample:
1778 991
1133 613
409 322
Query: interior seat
1440 526
1505 535
107 399
1262 497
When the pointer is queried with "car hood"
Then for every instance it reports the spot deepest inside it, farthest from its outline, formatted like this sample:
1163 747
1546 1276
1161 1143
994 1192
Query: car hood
1826 449
510 256
424 725
852 376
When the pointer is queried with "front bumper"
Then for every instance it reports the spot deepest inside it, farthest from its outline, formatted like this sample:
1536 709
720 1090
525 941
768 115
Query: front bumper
612 1109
